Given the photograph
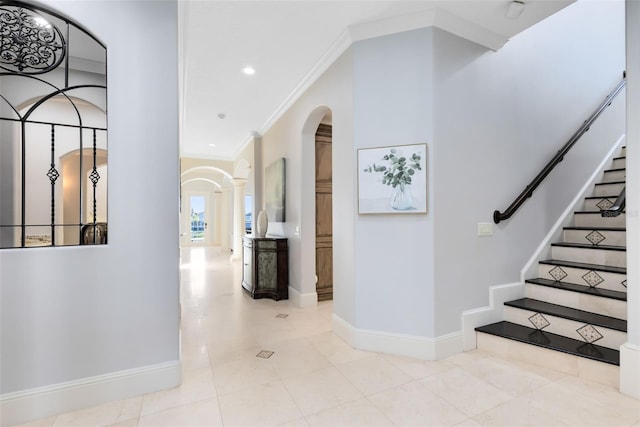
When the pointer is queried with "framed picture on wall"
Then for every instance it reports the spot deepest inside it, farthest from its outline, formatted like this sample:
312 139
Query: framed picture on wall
392 180
274 190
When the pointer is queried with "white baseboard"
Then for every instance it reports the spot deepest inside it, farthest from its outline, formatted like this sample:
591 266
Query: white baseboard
399 344
301 300
23 406
498 295
630 370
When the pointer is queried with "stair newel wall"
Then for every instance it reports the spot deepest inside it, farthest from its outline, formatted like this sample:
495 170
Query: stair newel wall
630 351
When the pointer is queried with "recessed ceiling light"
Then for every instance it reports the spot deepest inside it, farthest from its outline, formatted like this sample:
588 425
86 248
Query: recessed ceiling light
221 116
212 145
249 71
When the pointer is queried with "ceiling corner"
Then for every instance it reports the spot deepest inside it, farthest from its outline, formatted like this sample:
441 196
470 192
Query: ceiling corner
471 31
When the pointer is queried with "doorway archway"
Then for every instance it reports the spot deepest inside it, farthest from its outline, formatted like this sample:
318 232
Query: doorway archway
316 253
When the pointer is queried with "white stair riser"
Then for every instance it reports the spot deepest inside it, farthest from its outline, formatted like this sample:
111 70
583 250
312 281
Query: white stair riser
594 304
565 327
614 176
619 163
608 189
592 204
590 256
615 238
611 281
623 152
513 350
596 220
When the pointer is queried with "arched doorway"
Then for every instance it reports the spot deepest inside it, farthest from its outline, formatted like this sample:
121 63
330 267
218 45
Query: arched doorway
200 218
205 205
317 207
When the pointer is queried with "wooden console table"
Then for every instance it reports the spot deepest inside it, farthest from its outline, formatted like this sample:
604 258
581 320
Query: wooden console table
265 267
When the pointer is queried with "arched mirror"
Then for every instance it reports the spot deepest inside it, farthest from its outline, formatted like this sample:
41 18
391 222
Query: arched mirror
53 130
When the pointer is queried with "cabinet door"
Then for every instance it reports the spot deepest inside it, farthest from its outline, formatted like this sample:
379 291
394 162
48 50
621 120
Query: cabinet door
267 270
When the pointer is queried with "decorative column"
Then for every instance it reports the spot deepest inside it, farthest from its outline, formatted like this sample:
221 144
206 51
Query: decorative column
238 217
258 177
226 219
217 223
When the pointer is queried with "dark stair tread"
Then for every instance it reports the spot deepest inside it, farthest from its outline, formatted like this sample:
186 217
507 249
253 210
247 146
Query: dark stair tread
621 157
552 341
574 287
611 196
586 266
590 212
590 246
569 313
610 183
596 228
615 170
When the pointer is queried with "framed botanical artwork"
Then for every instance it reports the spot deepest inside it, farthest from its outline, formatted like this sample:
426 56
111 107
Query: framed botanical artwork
392 180
274 186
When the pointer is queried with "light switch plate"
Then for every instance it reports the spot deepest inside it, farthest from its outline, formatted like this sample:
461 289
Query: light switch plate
485 229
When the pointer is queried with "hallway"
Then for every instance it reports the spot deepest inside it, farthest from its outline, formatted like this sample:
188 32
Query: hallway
314 378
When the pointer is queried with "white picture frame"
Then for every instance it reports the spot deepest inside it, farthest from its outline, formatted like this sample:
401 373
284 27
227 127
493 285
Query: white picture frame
392 179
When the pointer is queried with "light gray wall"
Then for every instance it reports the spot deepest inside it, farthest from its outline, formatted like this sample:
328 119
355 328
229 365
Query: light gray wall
491 120
500 117
292 137
393 105
72 313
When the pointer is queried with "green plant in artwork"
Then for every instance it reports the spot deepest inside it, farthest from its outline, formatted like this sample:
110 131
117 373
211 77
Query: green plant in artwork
398 169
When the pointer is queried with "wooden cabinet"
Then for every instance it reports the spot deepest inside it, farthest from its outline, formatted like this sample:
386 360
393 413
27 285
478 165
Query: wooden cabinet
265 267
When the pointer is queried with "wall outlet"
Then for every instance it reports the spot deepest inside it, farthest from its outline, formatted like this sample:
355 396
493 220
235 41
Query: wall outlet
485 229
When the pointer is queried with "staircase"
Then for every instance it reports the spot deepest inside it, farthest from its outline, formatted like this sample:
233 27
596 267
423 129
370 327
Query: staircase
578 303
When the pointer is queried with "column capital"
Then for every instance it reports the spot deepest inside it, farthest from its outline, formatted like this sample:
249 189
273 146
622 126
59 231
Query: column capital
238 182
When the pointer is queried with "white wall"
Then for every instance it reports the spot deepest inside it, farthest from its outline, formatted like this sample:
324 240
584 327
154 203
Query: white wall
499 117
81 312
292 138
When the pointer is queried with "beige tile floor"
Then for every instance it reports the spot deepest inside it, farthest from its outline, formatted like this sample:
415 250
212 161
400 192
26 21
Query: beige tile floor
314 379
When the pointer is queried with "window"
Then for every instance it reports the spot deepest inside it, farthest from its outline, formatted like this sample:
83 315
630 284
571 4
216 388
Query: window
53 130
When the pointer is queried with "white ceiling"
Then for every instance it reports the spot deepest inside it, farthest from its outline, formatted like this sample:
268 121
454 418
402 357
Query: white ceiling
290 43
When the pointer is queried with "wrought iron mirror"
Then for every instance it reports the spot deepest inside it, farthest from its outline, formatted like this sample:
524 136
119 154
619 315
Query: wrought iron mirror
53 130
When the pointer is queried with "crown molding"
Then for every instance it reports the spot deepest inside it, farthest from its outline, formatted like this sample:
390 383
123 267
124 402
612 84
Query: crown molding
337 48
436 17
471 31
393 25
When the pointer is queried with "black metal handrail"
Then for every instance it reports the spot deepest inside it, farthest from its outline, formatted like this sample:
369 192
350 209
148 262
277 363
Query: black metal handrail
529 189
618 206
